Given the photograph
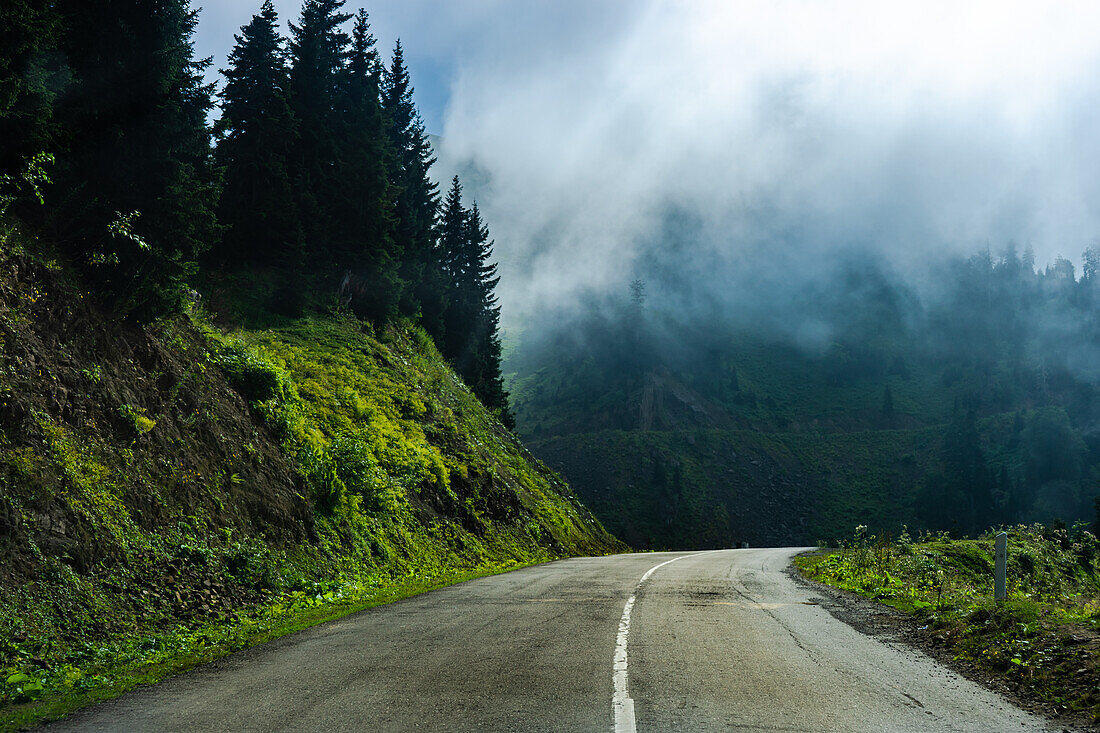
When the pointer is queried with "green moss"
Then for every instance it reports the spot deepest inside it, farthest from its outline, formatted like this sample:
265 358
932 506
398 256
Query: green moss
84 482
377 424
139 422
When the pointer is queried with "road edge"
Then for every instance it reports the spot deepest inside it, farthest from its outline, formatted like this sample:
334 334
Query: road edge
882 621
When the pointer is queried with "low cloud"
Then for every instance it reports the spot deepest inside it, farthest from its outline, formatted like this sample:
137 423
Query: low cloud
786 132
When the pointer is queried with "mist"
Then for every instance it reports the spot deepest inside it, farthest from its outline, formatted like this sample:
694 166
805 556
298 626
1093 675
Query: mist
789 135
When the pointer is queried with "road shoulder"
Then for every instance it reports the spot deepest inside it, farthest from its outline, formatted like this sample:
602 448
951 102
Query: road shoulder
893 626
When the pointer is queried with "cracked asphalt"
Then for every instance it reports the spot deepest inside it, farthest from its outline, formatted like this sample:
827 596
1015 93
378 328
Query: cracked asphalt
716 641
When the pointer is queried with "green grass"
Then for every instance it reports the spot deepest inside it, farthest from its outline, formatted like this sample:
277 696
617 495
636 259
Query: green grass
1044 638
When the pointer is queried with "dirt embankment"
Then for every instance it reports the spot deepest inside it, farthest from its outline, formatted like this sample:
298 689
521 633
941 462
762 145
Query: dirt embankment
112 429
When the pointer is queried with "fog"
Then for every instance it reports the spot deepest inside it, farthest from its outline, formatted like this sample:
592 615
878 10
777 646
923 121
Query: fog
787 133
790 134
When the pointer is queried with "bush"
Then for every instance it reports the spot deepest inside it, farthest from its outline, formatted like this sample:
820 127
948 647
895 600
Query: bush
251 375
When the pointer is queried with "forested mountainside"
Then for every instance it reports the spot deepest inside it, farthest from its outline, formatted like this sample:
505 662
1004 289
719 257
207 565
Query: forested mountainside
970 400
312 186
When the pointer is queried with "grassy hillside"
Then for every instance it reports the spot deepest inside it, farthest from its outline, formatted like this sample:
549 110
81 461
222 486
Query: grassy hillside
170 492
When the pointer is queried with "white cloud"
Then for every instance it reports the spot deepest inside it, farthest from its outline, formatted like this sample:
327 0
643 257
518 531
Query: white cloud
798 126
909 127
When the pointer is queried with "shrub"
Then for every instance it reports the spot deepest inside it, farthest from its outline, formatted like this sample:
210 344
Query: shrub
250 374
359 472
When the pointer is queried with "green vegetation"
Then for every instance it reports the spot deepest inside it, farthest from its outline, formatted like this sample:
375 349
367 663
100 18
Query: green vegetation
715 488
106 670
172 492
1044 639
382 430
664 489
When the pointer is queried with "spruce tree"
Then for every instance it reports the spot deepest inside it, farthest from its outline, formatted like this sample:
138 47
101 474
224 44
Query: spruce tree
471 315
363 215
318 50
416 199
137 186
452 247
1090 266
484 375
257 134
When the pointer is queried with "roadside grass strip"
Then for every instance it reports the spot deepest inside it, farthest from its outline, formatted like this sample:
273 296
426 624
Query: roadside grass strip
1043 641
136 662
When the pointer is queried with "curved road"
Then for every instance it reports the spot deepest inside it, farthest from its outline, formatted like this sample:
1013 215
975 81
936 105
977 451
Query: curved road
712 641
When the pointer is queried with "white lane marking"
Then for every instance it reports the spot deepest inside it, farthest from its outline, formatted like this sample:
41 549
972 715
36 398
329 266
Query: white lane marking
622 705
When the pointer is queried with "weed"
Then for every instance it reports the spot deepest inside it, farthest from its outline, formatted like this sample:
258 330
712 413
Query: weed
93 374
137 419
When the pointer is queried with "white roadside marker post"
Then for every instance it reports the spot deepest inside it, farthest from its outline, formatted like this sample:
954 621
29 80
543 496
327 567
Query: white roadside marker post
1000 569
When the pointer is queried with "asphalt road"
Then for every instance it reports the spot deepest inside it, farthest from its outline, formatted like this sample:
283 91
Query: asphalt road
715 641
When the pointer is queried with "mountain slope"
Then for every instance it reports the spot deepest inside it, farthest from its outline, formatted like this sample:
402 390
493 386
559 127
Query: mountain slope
163 479
718 488
696 436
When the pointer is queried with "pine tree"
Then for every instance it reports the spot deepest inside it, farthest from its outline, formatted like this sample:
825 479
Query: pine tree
257 134
416 199
959 491
485 378
319 49
139 147
1090 266
452 246
364 212
1027 261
